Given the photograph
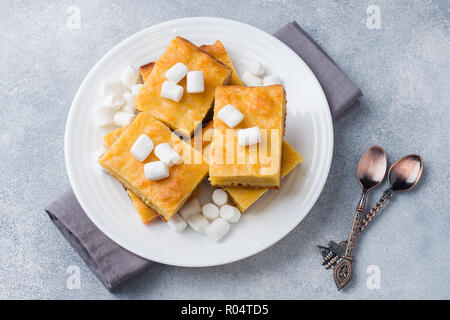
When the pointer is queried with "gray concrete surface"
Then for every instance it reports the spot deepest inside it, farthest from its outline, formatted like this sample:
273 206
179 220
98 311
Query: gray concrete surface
402 68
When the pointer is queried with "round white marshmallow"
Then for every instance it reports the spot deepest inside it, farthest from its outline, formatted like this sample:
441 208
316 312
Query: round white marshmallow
217 229
195 82
255 68
177 223
191 207
172 91
123 118
142 147
114 101
219 197
250 80
156 170
111 86
249 136
230 213
129 102
167 154
230 115
177 72
130 76
197 222
210 211
271 80
103 116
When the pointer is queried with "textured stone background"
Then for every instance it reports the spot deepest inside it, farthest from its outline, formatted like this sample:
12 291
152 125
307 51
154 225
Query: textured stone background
403 70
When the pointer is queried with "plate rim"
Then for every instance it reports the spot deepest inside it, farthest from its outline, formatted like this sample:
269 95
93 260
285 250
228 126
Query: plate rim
202 19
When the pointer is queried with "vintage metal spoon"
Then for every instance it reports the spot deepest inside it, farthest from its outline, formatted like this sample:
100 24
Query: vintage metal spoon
403 175
370 173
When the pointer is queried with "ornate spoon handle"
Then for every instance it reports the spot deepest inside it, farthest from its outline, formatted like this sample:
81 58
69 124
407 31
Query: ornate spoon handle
334 252
387 195
356 227
343 271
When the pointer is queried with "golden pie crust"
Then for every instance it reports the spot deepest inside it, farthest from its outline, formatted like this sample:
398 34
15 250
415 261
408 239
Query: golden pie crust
190 111
233 165
217 50
146 70
243 197
165 196
109 138
147 214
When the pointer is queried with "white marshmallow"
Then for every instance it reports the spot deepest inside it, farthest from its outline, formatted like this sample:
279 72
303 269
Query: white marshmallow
197 222
142 147
195 82
103 116
177 72
156 170
219 197
177 223
172 91
130 76
271 80
123 118
136 88
191 207
249 136
114 101
255 68
230 115
210 211
129 102
251 80
111 86
217 229
167 154
230 213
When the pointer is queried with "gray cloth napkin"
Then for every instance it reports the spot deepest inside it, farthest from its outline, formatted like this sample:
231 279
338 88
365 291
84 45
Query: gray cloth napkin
112 264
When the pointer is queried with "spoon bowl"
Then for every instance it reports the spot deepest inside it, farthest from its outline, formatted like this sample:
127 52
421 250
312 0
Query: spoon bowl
405 173
371 168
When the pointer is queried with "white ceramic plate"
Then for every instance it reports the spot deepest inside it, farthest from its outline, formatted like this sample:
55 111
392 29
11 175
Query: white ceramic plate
309 130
